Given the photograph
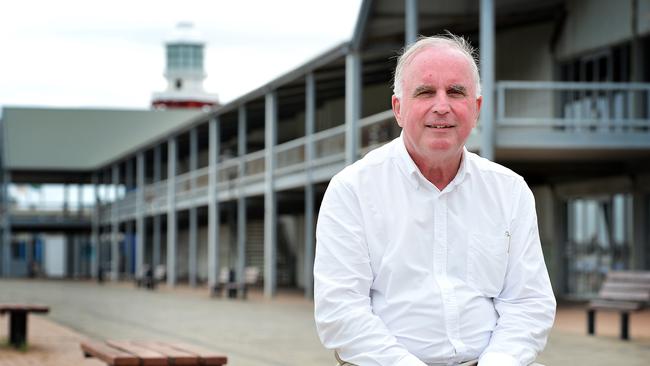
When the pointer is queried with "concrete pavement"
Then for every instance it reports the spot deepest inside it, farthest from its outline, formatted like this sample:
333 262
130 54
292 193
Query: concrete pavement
257 332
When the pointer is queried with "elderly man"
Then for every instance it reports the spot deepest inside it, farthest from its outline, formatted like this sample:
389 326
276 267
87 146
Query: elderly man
428 254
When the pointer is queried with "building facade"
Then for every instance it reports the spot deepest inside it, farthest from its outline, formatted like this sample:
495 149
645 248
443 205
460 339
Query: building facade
566 88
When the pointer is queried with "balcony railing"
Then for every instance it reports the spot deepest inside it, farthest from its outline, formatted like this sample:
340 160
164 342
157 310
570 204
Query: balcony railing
521 105
581 106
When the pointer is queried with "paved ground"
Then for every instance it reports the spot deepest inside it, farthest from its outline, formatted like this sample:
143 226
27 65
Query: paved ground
256 332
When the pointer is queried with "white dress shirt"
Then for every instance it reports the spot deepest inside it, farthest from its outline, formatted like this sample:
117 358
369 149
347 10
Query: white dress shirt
406 274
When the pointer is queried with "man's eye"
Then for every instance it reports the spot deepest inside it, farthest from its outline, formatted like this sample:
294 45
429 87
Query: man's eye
456 93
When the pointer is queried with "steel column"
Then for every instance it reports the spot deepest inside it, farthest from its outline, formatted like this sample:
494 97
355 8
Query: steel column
157 240
193 238
270 200
411 31
140 229
241 199
213 204
352 105
310 121
487 122
115 244
171 212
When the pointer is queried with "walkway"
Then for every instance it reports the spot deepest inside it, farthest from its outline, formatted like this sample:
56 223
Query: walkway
257 332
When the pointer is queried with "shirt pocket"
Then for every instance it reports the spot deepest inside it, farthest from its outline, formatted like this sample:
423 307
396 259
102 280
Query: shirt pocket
487 262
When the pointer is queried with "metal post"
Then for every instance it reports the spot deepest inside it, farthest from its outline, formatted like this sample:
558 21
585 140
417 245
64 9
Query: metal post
213 205
488 136
115 244
171 212
193 244
140 230
128 239
80 200
352 105
241 199
66 199
270 201
157 162
310 121
639 229
411 31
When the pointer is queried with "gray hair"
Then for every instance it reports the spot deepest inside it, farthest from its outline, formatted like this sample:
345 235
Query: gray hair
448 39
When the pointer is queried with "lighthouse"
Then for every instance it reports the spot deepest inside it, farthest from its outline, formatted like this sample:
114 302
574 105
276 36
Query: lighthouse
184 71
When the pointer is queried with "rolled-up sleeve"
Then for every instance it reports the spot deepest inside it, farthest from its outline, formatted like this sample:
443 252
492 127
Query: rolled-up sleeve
526 304
343 277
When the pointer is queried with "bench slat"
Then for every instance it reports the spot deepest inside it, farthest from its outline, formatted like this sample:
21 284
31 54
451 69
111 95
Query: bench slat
34 308
614 305
147 357
109 355
208 358
177 356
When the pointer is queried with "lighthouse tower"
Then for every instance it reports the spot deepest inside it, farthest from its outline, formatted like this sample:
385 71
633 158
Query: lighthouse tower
184 72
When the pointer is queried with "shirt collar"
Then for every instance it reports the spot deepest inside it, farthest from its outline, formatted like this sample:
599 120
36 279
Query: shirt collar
417 178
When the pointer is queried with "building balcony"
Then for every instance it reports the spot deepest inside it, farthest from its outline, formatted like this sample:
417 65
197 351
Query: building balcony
535 121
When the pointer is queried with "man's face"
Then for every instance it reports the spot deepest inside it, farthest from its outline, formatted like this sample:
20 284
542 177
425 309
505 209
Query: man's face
439 107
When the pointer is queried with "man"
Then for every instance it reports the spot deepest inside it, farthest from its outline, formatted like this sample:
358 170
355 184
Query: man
426 253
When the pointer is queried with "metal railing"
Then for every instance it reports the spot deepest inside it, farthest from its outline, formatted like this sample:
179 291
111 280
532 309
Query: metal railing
574 105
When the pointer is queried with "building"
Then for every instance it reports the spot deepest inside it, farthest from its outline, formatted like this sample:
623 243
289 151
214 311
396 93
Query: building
566 87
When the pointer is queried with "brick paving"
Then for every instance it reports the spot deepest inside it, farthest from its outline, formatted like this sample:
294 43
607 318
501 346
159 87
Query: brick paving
252 333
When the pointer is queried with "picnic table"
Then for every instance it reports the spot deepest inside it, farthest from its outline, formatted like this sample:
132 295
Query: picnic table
18 320
154 353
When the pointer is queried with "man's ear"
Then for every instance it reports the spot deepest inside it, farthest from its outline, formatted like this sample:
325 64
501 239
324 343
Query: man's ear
396 109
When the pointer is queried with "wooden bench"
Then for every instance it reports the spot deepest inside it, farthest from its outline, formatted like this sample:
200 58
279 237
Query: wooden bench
622 291
233 288
18 320
151 353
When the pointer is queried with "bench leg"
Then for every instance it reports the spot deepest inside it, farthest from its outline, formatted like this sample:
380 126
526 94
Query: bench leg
625 322
18 328
591 321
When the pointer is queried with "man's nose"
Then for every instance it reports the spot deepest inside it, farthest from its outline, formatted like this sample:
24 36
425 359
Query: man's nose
440 104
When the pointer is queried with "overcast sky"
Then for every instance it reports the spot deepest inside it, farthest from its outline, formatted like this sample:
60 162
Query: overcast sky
73 53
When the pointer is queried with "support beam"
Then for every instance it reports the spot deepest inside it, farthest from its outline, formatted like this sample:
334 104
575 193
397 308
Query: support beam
66 199
241 199
411 23
270 200
140 230
213 204
128 249
193 220
115 234
310 122
561 229
172 245
80 200
352 105
487 122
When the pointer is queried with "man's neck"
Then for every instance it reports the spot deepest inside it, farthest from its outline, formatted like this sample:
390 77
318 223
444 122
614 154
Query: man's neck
440 172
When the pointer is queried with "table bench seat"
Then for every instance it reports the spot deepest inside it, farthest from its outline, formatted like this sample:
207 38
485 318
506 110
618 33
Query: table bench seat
151 353
622 291
18 320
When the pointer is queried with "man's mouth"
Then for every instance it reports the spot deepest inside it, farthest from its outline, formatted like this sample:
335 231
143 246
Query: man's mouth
439 126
